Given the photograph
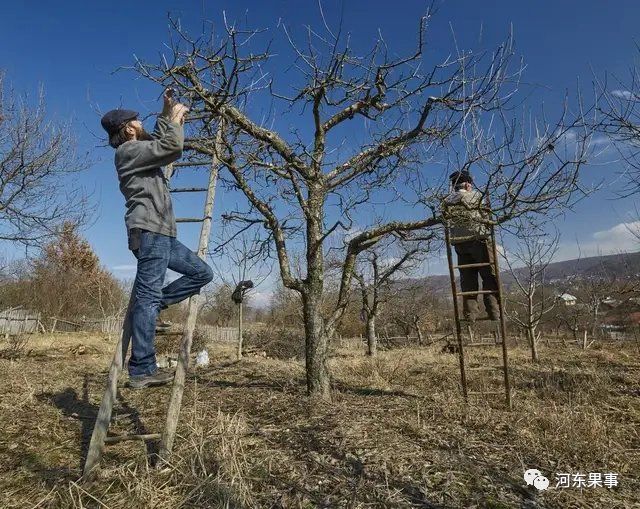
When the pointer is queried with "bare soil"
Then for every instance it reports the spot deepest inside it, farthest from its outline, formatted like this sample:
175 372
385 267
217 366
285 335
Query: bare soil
396 434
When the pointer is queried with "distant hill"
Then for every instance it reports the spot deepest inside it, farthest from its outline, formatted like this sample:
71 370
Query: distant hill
621 265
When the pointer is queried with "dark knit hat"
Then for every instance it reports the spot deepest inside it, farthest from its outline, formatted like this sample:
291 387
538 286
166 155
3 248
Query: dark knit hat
460 177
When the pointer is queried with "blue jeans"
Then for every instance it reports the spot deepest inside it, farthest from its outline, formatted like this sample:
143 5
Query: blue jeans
156 253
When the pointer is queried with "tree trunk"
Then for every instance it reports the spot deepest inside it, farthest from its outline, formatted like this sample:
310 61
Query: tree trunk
531 327
316 348
594 327
584 340
372 341
239 351
316 334
531 334
419 332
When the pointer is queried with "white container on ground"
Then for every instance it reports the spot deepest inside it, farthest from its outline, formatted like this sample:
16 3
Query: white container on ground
202 359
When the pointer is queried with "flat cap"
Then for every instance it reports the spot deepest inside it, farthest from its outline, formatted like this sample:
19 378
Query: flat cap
113 120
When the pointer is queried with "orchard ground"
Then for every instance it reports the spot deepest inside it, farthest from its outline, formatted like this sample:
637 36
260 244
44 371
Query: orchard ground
396 434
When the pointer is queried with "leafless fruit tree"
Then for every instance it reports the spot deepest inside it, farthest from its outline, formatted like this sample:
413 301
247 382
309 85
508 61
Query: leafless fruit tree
36 158
374 272
594 289
533 299
239 257
331 147
619 119
591 288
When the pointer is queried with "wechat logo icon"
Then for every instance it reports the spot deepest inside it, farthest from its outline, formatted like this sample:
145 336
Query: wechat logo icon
534 477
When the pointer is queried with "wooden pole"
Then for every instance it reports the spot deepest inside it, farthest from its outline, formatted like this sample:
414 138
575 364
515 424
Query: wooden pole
103 420
173 413
456 311
239 352
503 327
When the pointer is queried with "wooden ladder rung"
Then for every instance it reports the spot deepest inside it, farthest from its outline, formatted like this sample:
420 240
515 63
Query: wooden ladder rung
124 438
466 238
499 343
481 319
473 265
169 333
483 393
189 219
188 190
477 292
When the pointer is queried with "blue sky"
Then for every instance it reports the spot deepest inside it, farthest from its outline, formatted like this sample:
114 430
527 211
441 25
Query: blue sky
72 48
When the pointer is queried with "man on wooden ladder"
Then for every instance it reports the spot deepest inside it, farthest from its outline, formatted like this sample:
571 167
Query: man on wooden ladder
471 239
151 228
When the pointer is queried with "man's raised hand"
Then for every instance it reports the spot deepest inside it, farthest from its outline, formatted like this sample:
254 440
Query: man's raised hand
172 109
178 113
169 102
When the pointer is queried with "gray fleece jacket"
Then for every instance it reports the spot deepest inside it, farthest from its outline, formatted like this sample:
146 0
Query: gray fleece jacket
143 181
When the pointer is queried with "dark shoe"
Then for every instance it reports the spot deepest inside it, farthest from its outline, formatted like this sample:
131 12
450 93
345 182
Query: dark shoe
469 319
160 377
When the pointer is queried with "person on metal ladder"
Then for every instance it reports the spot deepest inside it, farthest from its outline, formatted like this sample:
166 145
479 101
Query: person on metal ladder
471 239
151 228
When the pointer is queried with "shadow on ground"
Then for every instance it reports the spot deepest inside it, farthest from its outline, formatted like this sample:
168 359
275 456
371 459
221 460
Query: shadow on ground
81 409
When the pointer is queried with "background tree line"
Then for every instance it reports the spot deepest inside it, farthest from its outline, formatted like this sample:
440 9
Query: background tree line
64 280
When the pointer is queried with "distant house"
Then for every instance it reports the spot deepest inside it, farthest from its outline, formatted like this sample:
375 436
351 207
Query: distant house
568 299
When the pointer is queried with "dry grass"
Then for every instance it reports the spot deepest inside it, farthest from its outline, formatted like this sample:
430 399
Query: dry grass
14 346
396 434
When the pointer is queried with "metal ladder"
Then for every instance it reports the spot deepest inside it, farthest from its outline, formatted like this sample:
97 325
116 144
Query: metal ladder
99 436
456 310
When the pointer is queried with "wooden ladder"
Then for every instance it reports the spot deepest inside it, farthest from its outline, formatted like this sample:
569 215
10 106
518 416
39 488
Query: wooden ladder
504 367
99 436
